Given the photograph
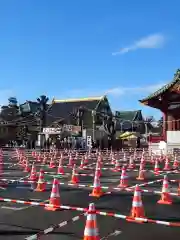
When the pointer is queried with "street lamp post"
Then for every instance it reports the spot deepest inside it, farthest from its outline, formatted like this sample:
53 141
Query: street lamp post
80 118
93 123
110 127
42 101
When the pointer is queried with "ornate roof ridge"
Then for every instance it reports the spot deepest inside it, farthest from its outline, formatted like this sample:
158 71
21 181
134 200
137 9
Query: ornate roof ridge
78 99
164 88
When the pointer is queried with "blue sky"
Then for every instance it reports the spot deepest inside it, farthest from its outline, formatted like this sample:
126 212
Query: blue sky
68 48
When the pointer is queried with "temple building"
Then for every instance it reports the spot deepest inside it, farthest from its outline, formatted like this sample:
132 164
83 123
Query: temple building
80 111
72 117
130 121
83 112
167 100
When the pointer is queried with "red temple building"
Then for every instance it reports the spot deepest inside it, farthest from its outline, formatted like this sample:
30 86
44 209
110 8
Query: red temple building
167 100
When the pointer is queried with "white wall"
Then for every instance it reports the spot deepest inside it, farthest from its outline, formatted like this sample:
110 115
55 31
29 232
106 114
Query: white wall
173 137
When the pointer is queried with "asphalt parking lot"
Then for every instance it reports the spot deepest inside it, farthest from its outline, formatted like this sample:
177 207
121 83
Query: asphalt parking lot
18 221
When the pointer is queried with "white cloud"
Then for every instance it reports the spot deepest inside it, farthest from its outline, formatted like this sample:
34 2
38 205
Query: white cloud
114 92
149 42
119 91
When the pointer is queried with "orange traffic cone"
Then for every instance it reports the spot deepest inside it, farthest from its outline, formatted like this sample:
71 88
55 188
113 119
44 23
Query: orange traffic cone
21 159
52 163
23 163
91 230
41 185
113 159
61 156
156 168
82 163
137 210
39 158
131 162
71 161
86 159
117 166
167 166
100 159
55 197
176 162
98 168
55 155
27 168
124 178
143 161
74 178
124 157
44 160
165 196
97 190
141 176
60 169
76 156
33 154
33 175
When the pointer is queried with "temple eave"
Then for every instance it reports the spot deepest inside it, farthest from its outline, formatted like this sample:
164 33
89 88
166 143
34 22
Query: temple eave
153 104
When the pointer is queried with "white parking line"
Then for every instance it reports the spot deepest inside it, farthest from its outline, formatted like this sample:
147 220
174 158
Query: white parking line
14 208
22 187
22 208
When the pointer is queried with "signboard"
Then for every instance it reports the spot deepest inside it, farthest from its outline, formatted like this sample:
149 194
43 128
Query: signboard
71 128
68 128
7 123
89 141
52 130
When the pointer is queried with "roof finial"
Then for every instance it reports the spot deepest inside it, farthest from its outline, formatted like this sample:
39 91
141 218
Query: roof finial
177 74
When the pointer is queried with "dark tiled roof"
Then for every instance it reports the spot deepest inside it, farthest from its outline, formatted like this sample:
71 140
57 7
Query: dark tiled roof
63 109
126 120
10 113
164 88
129 115
29 106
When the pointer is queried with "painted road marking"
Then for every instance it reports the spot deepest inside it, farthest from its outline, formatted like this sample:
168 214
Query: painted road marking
14 208
36 199
117 232
7 173
22 187
113 234
110 180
